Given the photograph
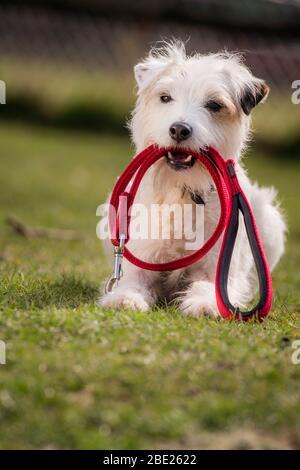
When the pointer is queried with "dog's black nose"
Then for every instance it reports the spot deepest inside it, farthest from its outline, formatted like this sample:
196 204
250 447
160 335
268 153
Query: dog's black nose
180 131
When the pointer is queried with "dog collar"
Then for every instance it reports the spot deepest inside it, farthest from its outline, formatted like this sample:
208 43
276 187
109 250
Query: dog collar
232 202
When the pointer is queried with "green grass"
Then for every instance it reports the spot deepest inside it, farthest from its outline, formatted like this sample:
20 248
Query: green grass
66 96
79 377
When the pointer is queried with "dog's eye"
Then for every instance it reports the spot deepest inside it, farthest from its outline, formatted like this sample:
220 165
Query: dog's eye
165 98
213 106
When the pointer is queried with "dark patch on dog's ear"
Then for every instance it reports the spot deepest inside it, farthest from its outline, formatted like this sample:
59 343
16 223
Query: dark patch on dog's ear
251 98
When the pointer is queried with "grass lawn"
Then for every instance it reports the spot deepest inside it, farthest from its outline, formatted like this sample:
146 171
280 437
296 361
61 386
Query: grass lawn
79 377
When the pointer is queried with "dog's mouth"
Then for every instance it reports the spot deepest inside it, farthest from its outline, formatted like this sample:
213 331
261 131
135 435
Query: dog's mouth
180 160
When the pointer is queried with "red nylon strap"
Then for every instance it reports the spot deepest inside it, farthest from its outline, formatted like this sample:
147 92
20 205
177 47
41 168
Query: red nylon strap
228 188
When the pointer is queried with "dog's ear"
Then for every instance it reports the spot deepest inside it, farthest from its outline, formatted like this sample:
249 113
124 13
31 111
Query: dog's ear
253 94
145 72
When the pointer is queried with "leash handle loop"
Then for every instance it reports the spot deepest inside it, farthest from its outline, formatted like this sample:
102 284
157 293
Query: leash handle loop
135 172
241 205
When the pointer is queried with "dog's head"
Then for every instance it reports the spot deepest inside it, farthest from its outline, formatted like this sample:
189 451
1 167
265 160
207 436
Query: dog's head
194 102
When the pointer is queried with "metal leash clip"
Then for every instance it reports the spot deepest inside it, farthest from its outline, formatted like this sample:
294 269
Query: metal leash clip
117 271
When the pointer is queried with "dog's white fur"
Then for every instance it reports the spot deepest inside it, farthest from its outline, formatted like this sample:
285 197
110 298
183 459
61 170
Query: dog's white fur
192 81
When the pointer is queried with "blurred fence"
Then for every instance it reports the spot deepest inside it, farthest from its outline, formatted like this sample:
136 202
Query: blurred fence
115 34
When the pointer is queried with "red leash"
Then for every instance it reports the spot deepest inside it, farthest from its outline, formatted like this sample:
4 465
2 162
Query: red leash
232 200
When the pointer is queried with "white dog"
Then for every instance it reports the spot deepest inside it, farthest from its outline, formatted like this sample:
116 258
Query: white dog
195 102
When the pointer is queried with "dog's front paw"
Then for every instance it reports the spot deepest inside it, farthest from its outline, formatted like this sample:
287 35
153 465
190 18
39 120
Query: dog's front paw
199 300
195 307
128 300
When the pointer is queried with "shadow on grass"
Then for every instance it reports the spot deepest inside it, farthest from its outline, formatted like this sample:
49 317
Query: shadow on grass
67 292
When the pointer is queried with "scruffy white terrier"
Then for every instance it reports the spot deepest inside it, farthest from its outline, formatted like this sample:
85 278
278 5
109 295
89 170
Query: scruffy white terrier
194 102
